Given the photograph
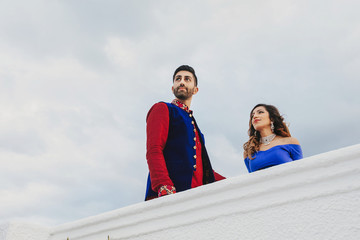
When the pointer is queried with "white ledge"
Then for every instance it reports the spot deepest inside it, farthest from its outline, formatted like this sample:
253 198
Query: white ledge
314 198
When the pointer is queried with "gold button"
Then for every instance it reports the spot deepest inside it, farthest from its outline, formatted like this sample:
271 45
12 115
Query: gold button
194 147
190 115
194 138
194 166
194 130
192 122
195 156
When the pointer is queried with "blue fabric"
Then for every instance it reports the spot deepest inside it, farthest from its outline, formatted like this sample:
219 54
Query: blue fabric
179 152
274 156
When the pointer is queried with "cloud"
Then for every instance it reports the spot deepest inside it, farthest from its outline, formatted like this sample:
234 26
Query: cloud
122 52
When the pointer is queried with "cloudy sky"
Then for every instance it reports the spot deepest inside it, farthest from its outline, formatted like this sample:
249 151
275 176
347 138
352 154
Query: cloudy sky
78 77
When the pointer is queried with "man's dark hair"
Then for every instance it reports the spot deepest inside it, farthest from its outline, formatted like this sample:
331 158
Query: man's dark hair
185 68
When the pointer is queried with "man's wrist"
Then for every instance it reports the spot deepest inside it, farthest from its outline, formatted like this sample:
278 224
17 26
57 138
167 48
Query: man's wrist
166 190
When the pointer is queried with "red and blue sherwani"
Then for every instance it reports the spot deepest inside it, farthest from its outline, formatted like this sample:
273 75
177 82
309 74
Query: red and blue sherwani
176 153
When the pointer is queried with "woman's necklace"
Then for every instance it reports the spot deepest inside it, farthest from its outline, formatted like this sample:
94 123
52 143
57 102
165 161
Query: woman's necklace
266 140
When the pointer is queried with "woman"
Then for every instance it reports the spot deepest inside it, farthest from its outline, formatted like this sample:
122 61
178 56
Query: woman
270 141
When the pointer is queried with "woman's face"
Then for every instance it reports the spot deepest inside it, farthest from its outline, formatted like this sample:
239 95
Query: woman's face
260 118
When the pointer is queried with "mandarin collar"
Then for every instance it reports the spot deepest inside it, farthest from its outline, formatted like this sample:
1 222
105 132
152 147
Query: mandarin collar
181 105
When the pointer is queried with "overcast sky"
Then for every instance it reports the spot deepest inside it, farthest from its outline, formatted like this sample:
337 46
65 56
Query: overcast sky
78 77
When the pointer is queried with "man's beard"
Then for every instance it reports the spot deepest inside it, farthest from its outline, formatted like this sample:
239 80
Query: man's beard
183 95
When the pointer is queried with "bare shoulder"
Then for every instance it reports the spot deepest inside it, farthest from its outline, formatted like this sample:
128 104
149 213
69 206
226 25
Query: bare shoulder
290 140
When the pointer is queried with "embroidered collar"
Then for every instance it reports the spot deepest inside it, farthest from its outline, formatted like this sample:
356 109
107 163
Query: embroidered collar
181 105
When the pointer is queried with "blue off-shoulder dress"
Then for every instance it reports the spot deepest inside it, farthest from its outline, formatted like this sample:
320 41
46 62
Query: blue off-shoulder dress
274 156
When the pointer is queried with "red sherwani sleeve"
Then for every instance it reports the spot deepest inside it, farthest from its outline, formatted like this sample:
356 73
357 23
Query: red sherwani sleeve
157 127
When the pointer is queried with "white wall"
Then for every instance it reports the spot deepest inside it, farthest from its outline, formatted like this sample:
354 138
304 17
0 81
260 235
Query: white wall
23 231
314 198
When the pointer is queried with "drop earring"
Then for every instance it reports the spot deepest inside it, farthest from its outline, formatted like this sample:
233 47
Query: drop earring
272 127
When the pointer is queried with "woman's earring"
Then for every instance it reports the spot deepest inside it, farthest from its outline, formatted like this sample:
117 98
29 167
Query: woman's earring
272 126
255 133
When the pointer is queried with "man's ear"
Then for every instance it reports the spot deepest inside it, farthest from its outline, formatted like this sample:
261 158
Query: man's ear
196 89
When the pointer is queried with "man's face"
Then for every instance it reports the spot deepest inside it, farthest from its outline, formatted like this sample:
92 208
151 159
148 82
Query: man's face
184 85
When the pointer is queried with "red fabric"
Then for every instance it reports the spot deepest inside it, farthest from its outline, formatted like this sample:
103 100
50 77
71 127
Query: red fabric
157 128
218 177
181 105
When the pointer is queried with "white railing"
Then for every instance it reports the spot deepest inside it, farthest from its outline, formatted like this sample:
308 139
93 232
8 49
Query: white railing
314 198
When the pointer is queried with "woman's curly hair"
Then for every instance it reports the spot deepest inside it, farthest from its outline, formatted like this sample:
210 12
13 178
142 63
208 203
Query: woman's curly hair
280 129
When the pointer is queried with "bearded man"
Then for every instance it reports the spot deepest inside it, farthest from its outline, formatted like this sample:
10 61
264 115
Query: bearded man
175 147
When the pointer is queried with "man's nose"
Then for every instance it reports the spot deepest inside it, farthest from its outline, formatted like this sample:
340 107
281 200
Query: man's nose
182 82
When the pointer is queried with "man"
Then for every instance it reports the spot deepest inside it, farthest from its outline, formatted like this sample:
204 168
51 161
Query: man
176 154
